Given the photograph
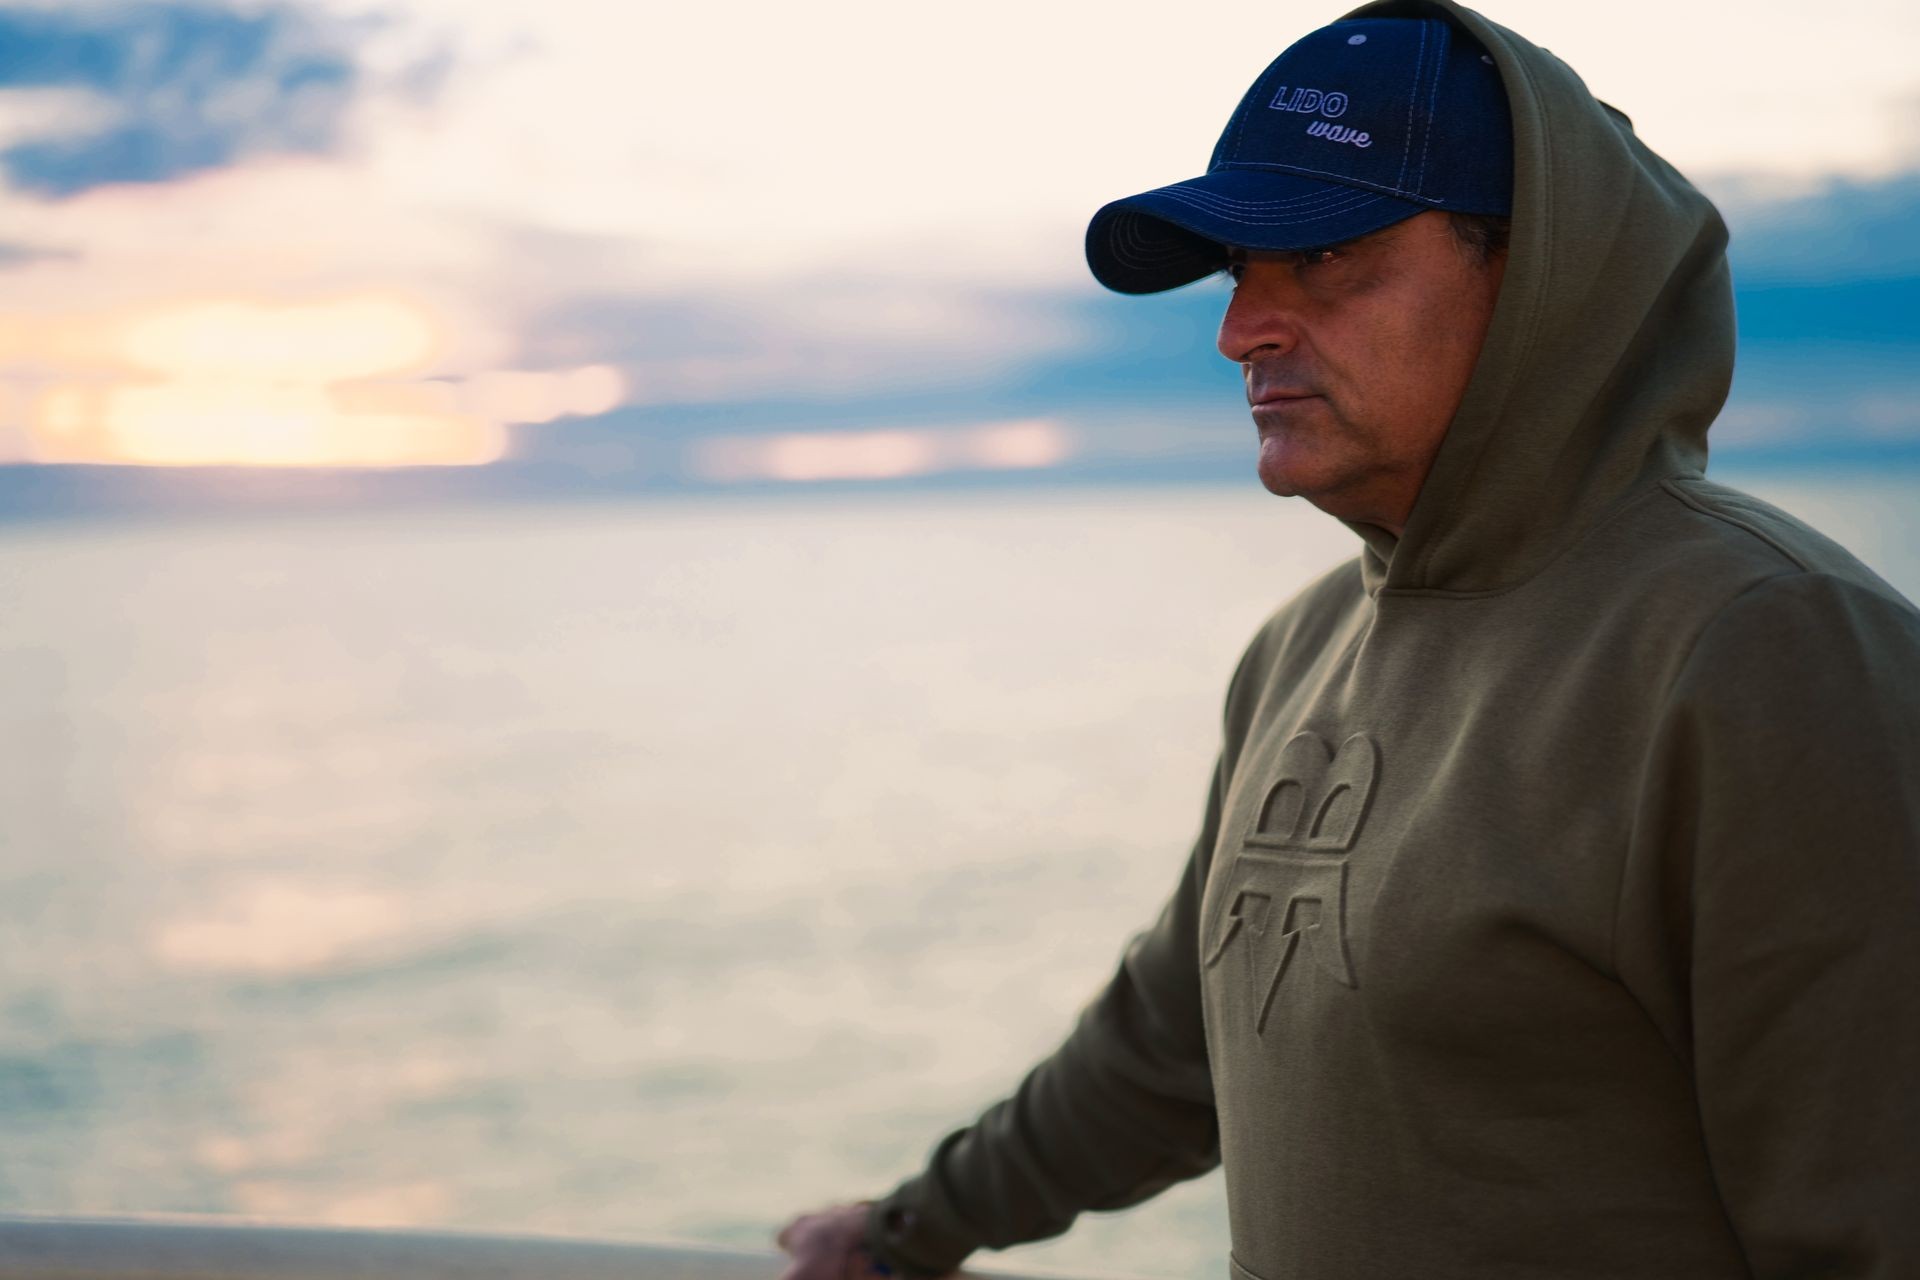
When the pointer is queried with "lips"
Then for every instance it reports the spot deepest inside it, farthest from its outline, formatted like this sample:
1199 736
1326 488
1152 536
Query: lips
1260 391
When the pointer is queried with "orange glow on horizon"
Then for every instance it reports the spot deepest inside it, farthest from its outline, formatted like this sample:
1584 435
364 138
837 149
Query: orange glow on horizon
211 421
325 383
313 342
802 456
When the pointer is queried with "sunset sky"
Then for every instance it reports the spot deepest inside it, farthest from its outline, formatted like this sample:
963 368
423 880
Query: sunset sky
457 231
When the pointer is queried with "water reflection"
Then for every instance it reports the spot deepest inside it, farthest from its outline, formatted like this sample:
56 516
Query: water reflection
620 871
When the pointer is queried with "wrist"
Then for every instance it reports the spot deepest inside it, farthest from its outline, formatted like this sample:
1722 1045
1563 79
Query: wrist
889 1225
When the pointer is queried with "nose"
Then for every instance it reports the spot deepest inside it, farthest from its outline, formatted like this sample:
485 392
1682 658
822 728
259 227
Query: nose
1263 316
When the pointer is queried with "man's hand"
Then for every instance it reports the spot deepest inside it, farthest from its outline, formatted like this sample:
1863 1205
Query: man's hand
829 1245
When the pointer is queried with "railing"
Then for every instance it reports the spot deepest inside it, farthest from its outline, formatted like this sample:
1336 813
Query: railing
36 1247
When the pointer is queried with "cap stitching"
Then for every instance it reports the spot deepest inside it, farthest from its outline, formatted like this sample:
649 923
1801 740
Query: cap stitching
1343 178
1305 197
1362 199
1154 262
1333 200
1162 246
1176 191
1239 122
1144 262
1136 251
1433 100
1255 220
1157 262
1413 100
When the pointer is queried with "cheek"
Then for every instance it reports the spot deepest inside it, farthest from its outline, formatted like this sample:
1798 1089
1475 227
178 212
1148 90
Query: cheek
1374 363
1440 343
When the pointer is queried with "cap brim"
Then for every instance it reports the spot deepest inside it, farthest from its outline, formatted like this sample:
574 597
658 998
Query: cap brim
1171 236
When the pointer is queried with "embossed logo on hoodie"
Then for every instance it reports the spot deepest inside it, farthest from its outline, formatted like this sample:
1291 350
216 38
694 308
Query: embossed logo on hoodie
1287 887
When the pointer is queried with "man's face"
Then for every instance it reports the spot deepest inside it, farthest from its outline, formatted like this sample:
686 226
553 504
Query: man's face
1356 358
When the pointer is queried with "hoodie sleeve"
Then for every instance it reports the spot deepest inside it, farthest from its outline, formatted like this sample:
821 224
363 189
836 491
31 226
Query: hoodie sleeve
1120 1111
1788 806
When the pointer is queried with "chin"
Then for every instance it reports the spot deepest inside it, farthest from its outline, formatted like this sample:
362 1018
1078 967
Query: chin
1278 486
1332 490
1287 478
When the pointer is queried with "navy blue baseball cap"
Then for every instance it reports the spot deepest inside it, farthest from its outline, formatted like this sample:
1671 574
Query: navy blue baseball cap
1355 127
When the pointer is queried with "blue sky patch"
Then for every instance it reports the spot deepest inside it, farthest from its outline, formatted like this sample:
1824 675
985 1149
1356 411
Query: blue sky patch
189 88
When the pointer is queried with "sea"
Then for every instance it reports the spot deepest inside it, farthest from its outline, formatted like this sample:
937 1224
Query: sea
649 870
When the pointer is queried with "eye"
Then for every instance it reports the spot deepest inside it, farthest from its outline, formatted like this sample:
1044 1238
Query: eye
1319 256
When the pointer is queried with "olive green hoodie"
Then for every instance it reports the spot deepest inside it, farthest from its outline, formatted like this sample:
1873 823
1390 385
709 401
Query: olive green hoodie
1556 910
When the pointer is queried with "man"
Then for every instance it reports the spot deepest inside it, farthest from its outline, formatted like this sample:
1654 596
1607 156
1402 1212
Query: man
1556 910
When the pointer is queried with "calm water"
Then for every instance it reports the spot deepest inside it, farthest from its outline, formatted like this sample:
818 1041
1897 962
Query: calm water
633 871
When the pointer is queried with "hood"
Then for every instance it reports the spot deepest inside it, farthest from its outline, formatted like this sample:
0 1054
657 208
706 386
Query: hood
1609 353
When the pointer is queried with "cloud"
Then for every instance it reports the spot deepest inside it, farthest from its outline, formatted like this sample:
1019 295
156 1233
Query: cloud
1829 360
1827 290
834 338
1839 230
859 239
177 89
16 255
